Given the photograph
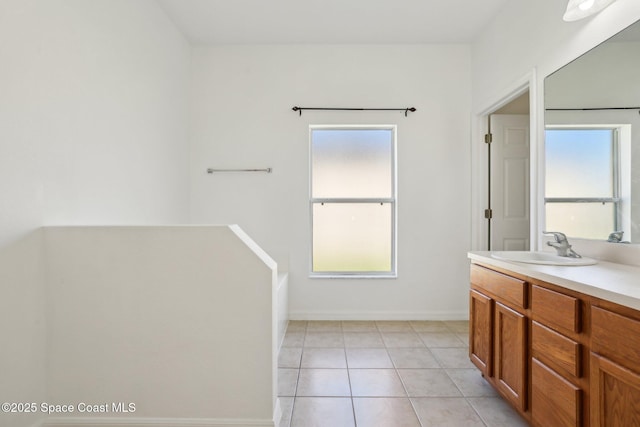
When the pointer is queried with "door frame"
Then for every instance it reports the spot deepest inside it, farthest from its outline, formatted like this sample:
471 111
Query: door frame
479 158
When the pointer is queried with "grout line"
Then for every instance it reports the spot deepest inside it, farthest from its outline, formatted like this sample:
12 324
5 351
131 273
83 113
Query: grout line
353 406
415 411
476 411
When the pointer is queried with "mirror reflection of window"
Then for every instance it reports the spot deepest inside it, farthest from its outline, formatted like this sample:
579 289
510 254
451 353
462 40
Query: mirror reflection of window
582 181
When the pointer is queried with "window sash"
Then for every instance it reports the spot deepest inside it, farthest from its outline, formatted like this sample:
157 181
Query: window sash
356 273
613 148
584 219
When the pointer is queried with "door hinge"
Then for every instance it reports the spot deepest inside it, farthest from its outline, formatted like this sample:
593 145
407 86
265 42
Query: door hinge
488 138
488 213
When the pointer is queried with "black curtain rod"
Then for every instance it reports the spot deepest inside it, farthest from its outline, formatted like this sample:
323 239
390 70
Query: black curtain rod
406 110
592 109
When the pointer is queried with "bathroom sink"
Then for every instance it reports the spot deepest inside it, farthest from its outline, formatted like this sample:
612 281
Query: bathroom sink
544 258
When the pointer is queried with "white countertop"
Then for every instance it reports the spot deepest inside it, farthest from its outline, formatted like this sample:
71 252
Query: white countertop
617 283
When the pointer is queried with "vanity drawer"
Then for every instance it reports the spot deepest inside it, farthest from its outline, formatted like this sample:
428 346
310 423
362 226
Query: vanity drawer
506 288
555 349
555 309
616 337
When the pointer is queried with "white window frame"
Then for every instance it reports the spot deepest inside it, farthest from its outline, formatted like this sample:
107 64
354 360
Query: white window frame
393 200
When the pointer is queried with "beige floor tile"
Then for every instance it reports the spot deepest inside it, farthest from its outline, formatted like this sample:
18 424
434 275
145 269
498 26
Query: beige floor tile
359 358
323 358
413 358
293 339
385 360
363 340
297 326
428 383
287 382
384 412
460 326
289 357
401 339
359 326
324 326
441 339
322 412
495 412
323 382
394 326
464 337
446 412
376 383
471 383
429 326
286 405
453 357
324 339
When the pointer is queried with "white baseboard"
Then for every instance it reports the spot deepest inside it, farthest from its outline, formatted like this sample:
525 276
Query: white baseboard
380 315
152 422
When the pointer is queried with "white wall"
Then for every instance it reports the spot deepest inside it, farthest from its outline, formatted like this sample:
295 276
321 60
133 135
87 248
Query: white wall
94 111
22 325
177 320
93 129
242 118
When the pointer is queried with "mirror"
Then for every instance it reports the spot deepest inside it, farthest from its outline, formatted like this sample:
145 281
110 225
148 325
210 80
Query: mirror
592 142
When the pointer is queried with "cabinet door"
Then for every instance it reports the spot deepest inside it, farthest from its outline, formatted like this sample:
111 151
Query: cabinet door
510 357
615 394
481 332
554 400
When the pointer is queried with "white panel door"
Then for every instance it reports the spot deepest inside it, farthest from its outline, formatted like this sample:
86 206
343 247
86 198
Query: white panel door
510 182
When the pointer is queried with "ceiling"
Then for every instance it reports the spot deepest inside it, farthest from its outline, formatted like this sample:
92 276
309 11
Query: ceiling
206 22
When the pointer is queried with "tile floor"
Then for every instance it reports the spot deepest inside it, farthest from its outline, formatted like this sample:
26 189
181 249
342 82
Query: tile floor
384 374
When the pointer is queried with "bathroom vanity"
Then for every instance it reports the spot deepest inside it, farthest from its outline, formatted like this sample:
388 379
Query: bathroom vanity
560 343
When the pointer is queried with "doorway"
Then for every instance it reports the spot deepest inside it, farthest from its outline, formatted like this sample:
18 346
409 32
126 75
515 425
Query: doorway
508 191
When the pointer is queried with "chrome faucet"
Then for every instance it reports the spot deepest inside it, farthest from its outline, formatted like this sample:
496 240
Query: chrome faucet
562 246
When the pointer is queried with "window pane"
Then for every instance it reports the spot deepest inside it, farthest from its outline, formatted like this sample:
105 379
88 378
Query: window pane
579 163
351 163
352 237
585 220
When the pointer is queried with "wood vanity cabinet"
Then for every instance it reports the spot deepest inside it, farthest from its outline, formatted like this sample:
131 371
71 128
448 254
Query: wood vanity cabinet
560 357
498 340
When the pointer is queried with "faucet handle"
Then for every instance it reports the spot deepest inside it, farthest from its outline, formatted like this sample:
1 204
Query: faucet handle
560 237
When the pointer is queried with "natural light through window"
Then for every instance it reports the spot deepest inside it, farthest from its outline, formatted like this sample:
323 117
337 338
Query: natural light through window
581 197
353 200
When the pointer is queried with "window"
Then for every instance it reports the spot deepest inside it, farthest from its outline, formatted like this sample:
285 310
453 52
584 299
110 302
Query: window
582 196
353 200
